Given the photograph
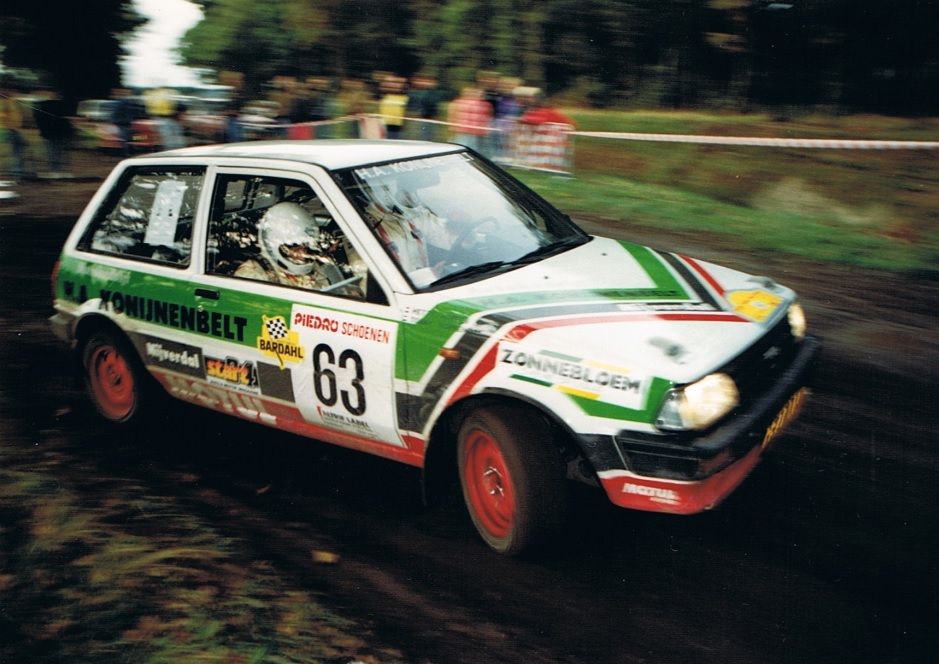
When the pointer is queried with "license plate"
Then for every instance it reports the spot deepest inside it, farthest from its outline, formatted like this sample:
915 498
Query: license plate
785 416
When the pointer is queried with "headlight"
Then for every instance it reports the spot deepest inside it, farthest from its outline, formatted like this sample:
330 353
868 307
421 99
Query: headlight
698 405
797 320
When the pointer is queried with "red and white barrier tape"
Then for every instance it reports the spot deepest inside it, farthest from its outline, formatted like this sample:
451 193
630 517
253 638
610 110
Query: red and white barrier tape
811 143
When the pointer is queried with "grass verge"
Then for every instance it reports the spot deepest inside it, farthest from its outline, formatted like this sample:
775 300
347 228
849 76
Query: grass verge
107 571
814 236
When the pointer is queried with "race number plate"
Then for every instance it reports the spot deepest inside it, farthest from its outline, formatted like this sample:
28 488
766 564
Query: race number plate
785 416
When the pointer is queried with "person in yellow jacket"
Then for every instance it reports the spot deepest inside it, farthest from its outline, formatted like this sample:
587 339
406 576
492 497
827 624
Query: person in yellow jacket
393 104
11 125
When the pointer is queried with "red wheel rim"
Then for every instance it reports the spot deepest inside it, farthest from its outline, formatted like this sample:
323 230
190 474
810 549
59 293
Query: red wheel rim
112 382
488 484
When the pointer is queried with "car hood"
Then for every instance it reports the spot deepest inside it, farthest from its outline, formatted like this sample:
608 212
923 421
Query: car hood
625 306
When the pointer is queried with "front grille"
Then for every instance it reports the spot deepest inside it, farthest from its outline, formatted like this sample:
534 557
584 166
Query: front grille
759 367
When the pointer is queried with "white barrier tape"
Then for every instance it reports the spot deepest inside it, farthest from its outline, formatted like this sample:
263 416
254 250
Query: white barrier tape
837 144
287 125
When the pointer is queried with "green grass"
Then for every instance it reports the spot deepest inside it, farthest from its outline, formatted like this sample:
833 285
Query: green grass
869 208
817 237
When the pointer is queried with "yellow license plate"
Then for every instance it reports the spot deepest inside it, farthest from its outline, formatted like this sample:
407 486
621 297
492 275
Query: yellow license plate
785 416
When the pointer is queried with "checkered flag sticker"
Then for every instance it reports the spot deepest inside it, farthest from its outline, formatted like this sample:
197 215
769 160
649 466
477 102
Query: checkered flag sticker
276 327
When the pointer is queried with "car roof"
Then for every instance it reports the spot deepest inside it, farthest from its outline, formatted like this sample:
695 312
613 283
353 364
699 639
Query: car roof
332 154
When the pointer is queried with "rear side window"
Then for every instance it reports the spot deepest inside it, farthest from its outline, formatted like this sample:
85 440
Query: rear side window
148 216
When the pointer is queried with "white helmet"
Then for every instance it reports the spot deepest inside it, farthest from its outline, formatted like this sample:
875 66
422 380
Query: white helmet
288 226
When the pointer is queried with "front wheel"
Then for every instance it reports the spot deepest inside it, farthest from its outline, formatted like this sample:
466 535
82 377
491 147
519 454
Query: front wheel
512 477
113 378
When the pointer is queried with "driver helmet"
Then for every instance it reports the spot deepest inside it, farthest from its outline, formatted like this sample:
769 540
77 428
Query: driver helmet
288 237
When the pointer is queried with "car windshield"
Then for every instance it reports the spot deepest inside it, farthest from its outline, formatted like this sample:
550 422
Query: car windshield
454 218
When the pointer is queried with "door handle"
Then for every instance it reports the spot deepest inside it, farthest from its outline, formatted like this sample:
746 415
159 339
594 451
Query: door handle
208 293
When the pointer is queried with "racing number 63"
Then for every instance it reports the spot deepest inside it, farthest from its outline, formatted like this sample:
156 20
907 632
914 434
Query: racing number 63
325 381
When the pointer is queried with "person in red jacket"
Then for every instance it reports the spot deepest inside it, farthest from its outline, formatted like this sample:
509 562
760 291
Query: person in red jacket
470 117
540 112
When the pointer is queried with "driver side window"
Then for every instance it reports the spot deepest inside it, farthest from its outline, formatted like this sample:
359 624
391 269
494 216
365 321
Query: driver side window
277 230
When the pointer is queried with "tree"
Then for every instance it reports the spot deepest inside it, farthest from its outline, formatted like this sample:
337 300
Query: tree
861 54
74 53
299 38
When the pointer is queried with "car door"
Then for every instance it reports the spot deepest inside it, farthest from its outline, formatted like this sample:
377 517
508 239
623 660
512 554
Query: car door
307 351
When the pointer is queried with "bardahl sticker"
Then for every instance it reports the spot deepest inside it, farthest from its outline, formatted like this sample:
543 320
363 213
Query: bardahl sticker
280 342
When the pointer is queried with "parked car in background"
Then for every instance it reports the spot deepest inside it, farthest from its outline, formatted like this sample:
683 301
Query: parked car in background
258 120
95 110
145 136
204 120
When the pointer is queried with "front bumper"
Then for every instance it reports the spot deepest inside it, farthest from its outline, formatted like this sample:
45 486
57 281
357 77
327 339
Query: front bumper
685 474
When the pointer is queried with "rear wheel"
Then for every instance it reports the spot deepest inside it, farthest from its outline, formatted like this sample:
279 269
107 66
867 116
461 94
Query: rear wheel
512 478
114 379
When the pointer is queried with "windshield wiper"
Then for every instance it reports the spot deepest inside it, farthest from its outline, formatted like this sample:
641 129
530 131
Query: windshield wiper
551 249
470 271
527 259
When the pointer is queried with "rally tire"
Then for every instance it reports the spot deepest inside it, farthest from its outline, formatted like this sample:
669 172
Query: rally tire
512 477
114 379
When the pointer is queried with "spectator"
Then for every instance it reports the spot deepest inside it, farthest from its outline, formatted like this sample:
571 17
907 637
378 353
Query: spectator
392 106
125 111
234 132
11 126
423 100
325 104
55 129
470 116
172 135
540 112
489 84
508 111
302 104
285 93
353 100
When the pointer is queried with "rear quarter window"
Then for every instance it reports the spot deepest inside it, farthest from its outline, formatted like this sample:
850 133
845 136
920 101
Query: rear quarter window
148 216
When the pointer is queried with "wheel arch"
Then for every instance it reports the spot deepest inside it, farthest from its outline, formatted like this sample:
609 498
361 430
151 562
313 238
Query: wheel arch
440 464
91 323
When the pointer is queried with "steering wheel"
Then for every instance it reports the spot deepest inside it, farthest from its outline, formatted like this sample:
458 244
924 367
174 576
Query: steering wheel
467 249
344 284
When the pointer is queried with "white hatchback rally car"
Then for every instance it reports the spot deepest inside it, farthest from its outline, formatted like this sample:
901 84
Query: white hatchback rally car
414 301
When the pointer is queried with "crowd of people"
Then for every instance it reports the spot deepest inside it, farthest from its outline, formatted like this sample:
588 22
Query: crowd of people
48 114
482 116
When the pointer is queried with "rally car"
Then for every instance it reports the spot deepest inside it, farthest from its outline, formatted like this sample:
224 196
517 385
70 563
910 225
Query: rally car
414 301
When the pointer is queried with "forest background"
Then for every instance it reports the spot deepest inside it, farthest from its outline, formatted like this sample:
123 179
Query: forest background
838 56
